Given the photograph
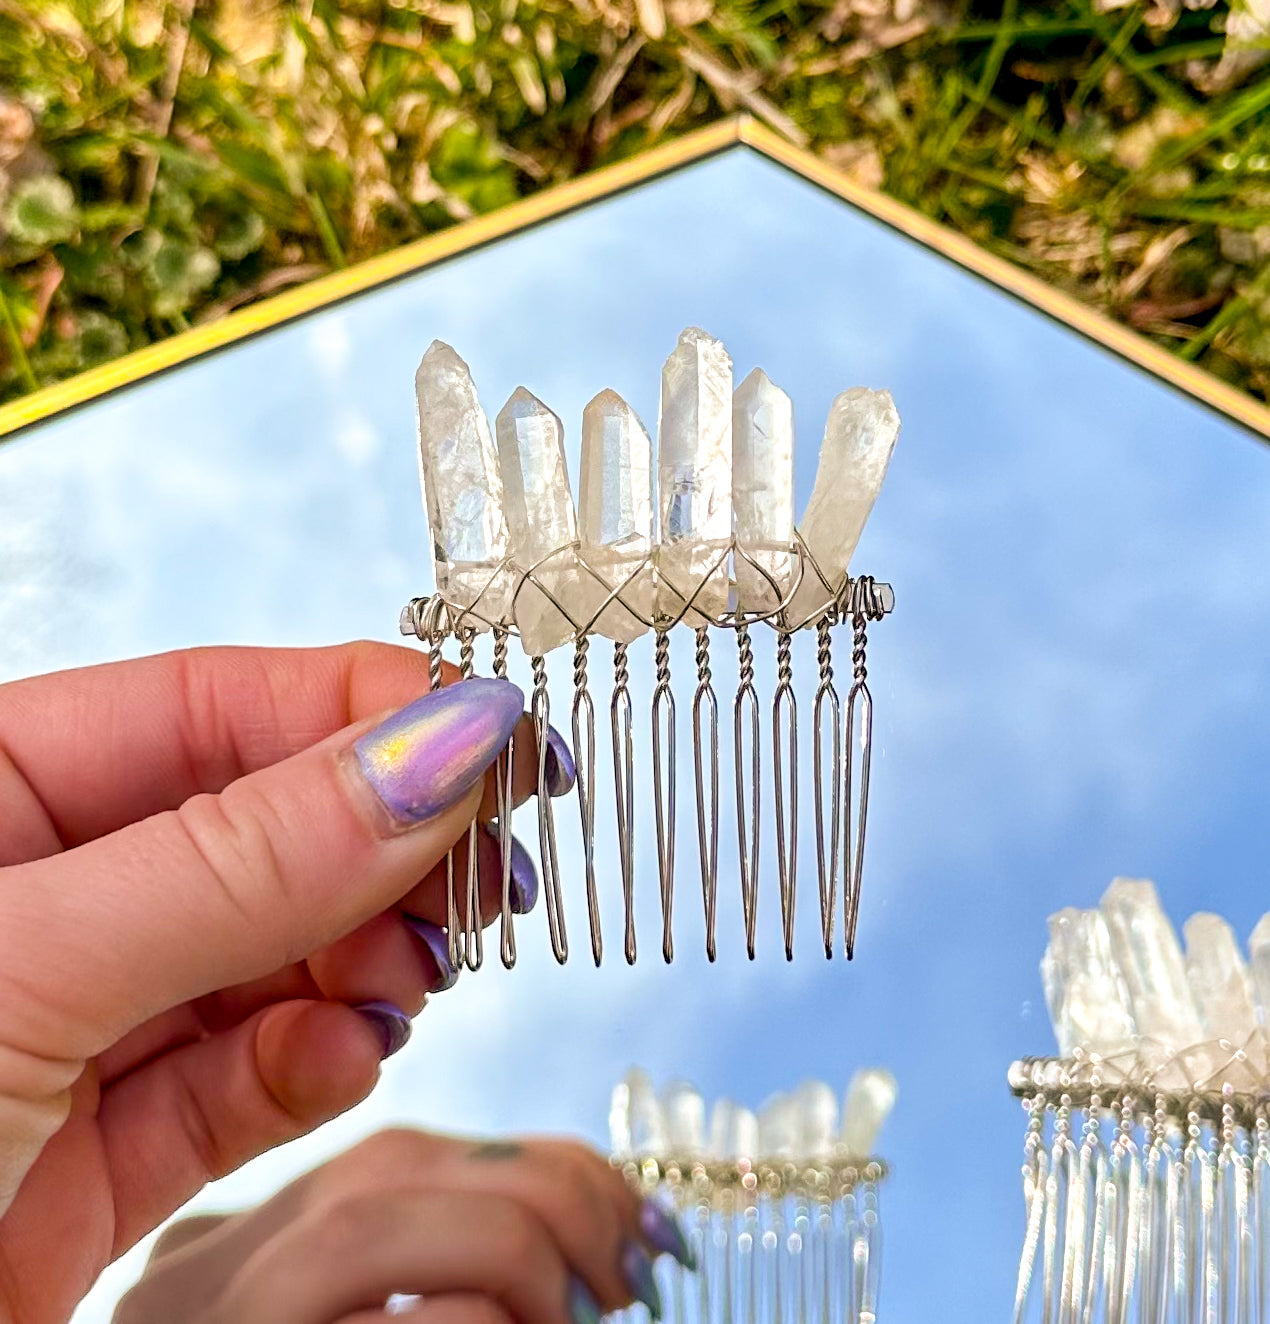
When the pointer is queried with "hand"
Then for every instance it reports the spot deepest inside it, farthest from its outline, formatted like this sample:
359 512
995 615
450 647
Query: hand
208 862
530 1232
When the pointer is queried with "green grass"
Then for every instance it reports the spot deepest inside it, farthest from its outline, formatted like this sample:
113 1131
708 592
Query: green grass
164 162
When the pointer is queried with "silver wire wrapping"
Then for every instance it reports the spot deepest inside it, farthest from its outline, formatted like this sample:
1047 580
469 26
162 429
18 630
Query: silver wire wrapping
705 758
624 788
748 807
664 790
504 799
1143 1204
583 723
473 944
826 862
841 755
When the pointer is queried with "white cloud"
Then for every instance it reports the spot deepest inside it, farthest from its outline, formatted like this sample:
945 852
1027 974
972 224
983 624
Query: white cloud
356 439
329 343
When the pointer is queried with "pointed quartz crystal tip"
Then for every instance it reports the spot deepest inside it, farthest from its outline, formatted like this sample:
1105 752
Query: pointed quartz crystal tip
778 1127
868 1103
1145 948
636 1125
1259 961
694 470
1219 979
462 487
615 516
762 491
733 1131
860 435
1087 1001
817 1106
684 1113
540 519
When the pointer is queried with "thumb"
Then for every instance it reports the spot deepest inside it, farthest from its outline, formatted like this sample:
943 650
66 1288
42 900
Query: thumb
235 886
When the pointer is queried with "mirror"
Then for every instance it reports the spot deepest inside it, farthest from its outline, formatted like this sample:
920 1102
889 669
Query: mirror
1071 685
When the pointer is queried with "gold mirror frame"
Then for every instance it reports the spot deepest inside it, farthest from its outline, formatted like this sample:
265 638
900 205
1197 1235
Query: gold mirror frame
607 182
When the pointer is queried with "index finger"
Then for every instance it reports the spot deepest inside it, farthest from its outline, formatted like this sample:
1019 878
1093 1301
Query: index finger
85 752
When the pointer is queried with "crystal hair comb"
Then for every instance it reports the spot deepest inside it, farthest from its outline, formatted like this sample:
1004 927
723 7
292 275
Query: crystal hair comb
780 1207
1147 1169
705 538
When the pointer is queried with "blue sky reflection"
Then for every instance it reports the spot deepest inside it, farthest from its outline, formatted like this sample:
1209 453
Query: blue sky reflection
1070 688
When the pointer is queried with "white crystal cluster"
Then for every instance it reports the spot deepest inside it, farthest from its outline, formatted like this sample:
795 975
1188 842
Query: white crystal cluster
1119 985
717 532
801 1126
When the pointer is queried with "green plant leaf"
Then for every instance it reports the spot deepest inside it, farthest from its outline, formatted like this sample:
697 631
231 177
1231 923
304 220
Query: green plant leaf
41 211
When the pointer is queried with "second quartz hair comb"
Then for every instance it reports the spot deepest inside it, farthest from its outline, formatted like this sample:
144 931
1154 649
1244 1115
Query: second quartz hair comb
698 532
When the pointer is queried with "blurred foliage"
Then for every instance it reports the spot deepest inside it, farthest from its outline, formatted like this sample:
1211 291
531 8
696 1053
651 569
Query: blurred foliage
165 161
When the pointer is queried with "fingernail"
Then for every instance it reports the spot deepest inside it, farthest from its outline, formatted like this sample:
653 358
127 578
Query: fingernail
561 771
437 941
662 1232
390 1022
524 872
425 757
637 1269
583 1307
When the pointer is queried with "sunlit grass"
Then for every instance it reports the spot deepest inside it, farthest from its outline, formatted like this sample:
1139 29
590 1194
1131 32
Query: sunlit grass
163 163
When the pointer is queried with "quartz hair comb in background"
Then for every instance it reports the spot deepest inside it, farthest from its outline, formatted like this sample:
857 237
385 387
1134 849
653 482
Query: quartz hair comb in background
1147 1169
780 1206
698 531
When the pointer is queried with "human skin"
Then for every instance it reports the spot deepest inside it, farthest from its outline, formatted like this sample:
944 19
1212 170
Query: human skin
482 1233
199 886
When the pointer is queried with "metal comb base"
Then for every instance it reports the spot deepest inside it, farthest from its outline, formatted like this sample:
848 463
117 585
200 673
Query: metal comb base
774 1241
841 759
1144 1203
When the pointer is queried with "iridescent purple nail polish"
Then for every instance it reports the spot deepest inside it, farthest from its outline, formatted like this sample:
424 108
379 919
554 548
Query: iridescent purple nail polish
662 1232
390 1022
583 1307
422 759
524 872
437 941
637 1270
561 771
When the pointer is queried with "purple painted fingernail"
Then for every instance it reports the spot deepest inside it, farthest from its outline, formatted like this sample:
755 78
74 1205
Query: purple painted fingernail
637 1269
390 1022
425 757
583 1307
662 1232
561 770
437 941
524 873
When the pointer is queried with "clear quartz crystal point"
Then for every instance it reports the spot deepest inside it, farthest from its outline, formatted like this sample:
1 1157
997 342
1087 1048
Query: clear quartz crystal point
817 1106
868 1103
1219 979
1088 1003
778 1127
462 487
694 473
620 1143
1145 947
684 1112
1259 960
733 1131
540 518
636 1124
762 491
615 516
859 437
